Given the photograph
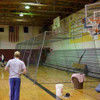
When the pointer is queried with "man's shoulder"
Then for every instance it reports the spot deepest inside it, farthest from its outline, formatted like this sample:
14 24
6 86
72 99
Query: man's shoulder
21 61
10 60
13 60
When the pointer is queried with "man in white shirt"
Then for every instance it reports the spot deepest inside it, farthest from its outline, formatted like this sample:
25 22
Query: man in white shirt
16 68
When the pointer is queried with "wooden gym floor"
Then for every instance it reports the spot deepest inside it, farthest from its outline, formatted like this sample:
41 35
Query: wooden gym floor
45 88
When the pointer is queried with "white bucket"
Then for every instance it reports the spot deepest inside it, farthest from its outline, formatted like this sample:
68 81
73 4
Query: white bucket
59 89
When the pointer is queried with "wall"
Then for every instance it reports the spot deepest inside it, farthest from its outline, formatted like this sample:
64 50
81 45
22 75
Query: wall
78 47
8 53
80 38
4 36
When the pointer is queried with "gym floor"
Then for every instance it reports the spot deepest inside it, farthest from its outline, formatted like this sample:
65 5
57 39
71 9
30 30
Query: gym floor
44 89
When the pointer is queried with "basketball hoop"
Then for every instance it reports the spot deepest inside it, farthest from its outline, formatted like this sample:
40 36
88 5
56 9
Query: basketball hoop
94 21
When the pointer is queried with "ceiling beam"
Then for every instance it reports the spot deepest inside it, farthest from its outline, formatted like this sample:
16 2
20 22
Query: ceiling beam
94 1
24 19
19 24
9 22
77 1
27 17
33 4
4 13
46 1
32 10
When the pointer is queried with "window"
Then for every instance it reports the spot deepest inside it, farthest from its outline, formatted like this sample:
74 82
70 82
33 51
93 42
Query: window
1 29
25 29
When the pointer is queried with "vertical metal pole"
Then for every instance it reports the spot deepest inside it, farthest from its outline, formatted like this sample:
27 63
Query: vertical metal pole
35 76
86 14
20 49
64 54
30 54
25 50
16 47
0 42
96 52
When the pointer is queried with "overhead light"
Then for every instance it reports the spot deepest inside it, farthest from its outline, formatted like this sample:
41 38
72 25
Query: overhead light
21 14
39 7
19 20
33 4
27 7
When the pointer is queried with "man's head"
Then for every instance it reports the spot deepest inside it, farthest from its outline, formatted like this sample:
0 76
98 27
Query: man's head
17 54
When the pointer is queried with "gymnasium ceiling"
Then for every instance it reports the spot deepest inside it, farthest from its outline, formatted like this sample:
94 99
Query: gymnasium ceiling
41 12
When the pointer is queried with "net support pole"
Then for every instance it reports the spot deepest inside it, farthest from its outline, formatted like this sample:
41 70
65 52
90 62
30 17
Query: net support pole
37 66
85 11
0 42
94 41
20 49
17 48
30 54
25 49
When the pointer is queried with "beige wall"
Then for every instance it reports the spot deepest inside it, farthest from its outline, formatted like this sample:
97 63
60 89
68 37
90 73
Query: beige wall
4 36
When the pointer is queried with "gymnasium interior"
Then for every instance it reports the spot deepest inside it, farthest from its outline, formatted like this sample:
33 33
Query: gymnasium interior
58 41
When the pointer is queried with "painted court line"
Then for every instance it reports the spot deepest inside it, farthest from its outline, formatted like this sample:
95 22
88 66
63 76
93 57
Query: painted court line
45 89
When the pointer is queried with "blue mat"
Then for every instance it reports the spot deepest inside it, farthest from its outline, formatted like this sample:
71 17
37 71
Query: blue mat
98 88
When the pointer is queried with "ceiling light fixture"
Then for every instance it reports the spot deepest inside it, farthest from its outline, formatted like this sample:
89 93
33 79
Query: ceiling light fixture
20 20
33 4
21 15
27 7
39 7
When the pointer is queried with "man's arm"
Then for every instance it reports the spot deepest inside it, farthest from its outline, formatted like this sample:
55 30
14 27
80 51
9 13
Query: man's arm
24 71
6 68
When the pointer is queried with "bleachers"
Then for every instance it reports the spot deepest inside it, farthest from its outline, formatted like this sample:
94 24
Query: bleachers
64 59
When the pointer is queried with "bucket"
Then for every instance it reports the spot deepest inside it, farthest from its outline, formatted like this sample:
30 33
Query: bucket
59 89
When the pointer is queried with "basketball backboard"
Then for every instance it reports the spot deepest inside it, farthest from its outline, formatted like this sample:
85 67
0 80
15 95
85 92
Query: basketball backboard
92 18
91 11
56 22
